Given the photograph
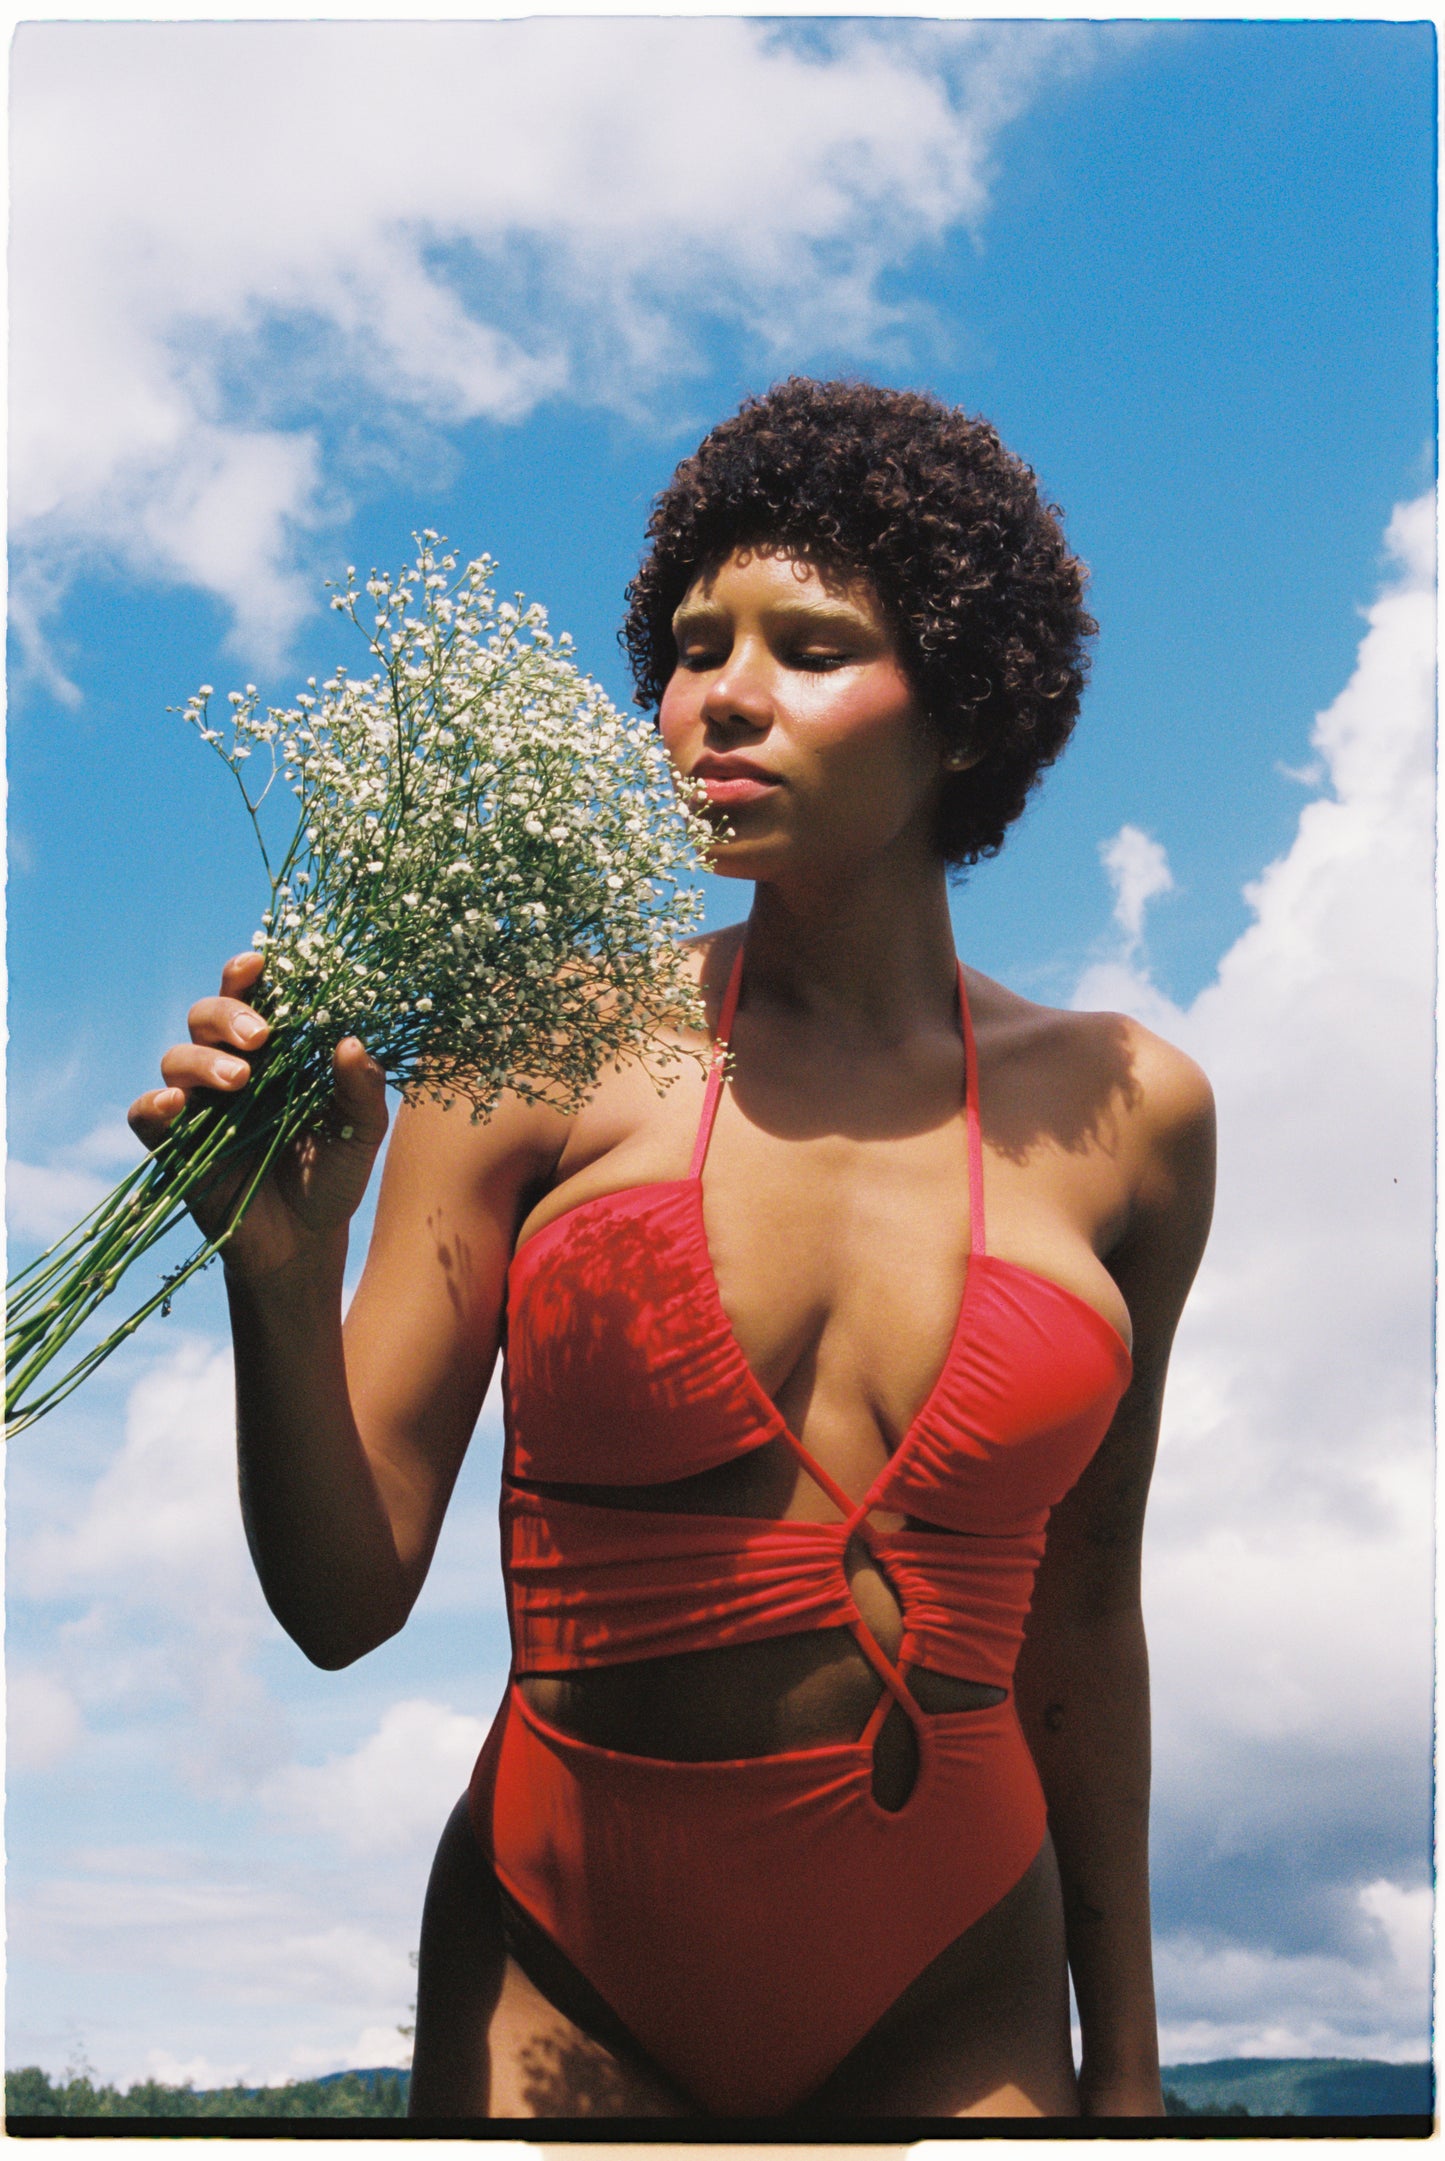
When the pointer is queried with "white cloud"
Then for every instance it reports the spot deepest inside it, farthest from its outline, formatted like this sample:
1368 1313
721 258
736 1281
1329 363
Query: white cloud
197 2071
392 1792
1407 1918
161 1523
1139 872
43 1201
156 1555
1249 2002
235 243
374 2047
111 1145
42 1721
1288 1564
249 1974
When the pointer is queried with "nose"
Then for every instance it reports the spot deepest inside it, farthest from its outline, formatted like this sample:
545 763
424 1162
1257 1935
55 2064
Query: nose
740 693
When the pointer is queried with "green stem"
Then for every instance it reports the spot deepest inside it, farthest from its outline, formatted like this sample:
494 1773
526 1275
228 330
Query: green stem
290 1122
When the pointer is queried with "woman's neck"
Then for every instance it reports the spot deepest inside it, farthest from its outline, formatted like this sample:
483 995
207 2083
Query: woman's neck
872 956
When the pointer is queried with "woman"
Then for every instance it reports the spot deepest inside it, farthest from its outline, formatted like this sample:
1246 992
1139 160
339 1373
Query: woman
782 1812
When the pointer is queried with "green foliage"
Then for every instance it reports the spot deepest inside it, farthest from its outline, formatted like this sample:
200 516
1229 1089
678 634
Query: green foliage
1309 2086
1176 2105
1299 2086
29 2092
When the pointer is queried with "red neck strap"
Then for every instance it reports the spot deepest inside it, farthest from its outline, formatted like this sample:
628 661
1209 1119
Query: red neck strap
976 1243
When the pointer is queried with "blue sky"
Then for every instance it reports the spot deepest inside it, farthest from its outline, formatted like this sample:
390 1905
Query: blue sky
1188 270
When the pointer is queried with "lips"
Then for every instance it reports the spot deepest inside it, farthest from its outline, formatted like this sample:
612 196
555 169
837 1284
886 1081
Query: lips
730 781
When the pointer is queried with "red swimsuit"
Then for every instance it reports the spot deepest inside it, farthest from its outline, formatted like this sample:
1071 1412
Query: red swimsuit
748 1921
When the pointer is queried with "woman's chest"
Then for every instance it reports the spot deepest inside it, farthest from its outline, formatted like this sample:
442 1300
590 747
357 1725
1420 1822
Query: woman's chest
666 1322
840 1264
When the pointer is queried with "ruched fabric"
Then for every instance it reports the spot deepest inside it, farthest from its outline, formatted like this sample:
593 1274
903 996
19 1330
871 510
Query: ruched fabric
589 1589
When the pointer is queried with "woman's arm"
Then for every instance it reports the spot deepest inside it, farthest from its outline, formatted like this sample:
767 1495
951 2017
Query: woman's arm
1083 1677
350 1439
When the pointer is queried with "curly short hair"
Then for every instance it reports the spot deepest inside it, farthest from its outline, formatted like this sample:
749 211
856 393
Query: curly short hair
969 565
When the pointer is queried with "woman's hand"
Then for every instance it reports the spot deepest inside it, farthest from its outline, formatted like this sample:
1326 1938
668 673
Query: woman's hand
309 1196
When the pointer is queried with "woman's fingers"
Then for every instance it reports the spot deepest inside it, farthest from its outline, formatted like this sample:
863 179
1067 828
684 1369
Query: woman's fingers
360 1092
151 1114
197 1065
240 973
227 1021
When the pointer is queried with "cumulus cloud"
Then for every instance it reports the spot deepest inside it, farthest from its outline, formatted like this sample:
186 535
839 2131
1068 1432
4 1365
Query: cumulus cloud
1288 1562
44 1200
224 286
1138 869
394 1790
42 1721
198 2071
235 1953
163 1516
158 1539
1246 2001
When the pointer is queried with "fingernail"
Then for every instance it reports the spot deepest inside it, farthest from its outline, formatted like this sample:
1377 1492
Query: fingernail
248 1027
231 1068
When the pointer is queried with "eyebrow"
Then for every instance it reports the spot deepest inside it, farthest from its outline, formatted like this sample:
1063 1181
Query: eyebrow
814 614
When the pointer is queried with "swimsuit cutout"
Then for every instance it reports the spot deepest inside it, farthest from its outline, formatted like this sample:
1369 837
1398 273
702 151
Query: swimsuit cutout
747 1921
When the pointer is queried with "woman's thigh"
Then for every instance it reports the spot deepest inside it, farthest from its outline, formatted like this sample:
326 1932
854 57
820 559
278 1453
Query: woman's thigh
488 2042
983 2031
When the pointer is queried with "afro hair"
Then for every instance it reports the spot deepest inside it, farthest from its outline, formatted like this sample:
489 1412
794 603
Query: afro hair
969 565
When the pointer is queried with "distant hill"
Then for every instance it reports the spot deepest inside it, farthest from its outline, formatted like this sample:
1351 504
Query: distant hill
1240 2086
1299 2086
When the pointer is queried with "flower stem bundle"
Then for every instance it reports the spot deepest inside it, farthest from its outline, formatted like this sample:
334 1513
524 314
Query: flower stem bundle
484 882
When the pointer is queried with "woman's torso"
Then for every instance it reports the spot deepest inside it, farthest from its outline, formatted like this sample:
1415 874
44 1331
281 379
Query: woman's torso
835 1210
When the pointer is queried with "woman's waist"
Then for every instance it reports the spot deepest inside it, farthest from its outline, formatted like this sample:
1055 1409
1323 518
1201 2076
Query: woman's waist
602 1586
753 1699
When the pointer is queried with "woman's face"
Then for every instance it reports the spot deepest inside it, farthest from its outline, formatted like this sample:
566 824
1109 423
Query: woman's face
790 707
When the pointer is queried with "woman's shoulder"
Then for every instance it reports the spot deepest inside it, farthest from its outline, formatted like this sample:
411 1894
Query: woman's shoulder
521 1136
1105 1072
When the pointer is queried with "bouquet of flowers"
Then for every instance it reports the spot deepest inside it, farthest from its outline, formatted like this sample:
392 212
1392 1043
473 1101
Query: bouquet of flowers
483 883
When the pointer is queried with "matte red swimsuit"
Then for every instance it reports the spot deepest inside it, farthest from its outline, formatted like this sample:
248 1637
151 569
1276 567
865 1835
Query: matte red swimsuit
749 1920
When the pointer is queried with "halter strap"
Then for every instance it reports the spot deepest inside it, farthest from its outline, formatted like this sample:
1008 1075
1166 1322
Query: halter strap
976 1236
715 1071
975 1130
855 1514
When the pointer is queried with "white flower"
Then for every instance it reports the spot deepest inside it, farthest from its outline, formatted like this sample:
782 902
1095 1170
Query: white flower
476 723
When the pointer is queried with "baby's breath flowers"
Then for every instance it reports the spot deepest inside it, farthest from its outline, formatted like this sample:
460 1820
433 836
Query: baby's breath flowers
484 883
